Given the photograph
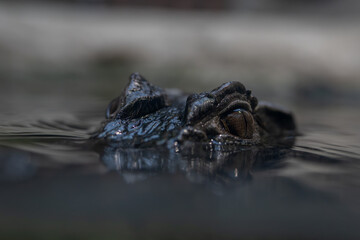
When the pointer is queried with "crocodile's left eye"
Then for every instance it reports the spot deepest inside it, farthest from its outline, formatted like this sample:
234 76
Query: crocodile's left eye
112 108
240 123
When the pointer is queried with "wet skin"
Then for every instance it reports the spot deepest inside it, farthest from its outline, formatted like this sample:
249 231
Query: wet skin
148 116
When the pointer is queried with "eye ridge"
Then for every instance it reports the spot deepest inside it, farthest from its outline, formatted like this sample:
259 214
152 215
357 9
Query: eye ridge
235 106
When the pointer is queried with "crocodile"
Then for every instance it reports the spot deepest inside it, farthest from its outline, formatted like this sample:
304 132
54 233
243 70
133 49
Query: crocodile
145 115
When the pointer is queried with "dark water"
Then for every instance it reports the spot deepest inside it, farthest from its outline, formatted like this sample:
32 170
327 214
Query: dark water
55 184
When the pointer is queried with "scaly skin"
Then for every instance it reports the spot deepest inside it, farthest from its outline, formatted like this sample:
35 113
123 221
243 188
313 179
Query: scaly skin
147 116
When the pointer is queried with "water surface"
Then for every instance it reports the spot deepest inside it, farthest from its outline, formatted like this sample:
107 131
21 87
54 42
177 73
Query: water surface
56 184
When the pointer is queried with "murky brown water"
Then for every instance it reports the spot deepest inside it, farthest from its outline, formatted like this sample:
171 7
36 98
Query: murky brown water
53 184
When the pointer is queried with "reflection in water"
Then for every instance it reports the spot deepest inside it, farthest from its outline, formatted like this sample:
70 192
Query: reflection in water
198 166
15 165
50 172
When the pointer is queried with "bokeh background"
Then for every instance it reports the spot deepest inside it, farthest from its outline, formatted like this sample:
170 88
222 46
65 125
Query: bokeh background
294 51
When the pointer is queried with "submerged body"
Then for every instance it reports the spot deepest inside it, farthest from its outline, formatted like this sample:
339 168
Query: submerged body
145 116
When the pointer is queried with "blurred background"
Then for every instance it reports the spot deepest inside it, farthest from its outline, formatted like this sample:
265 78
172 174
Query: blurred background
304 51
62 61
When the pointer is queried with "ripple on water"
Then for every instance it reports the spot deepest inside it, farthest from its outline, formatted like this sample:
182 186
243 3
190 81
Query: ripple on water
313 184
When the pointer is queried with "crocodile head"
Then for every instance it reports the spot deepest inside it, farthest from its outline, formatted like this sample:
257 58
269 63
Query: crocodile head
145 115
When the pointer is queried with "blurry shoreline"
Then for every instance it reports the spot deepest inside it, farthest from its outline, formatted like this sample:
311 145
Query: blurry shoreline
283 50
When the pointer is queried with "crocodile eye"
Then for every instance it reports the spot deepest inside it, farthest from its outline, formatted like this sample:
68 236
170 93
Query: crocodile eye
239 123
112 108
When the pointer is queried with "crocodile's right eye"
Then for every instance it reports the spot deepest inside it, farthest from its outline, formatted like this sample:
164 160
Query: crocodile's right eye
240 123
112 108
